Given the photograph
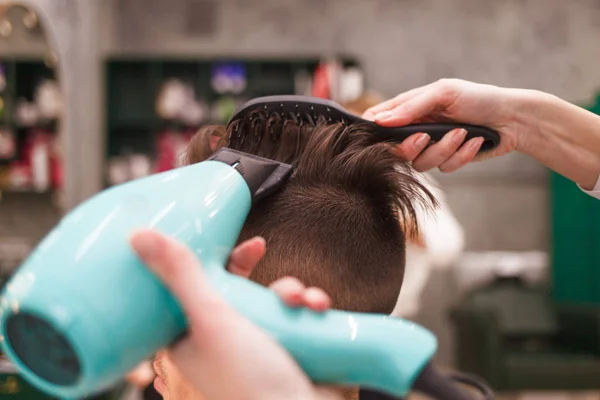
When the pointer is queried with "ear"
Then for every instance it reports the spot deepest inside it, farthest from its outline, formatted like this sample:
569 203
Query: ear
214 141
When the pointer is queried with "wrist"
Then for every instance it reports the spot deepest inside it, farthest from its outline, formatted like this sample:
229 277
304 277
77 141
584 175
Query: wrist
560 135
524 112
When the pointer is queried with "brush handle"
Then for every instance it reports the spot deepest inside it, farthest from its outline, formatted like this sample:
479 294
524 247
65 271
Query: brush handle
438 131
337 347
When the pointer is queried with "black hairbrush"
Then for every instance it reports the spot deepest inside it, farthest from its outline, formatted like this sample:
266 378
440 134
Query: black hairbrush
309 110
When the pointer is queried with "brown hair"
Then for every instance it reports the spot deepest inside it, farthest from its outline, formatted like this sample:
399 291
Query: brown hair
336 224
358 106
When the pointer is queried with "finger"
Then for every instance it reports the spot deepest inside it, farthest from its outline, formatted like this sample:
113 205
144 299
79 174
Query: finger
190 359
412 146
463 156
316 299
411 110
390 104
441 151
290 290
142 375
246 256
179 269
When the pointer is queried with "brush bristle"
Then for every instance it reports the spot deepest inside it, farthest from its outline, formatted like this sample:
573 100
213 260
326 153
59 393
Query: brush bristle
266 120
268 125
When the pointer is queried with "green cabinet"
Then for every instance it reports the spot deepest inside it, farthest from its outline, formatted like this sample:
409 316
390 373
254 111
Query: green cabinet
575 241
19 79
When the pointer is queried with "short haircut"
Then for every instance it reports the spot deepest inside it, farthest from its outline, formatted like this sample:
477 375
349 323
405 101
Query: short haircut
338 223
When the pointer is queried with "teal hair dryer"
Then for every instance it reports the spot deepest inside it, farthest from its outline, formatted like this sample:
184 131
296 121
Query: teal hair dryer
82 310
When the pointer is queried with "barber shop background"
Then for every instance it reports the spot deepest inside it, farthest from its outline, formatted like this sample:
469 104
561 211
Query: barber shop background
95 93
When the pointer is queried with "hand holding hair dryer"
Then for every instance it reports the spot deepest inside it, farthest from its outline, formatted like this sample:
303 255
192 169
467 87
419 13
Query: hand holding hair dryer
82 310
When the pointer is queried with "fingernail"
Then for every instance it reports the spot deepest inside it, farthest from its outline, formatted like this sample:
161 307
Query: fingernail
475 143
259 239
145 244
459 136
382 116
422 141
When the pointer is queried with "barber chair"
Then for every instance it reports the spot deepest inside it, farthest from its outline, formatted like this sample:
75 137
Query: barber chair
516 338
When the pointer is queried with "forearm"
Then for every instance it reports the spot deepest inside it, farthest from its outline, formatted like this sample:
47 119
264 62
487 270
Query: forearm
560 135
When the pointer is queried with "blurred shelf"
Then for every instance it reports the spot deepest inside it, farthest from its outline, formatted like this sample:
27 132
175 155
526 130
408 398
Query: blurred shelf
134 82
26 191
22 76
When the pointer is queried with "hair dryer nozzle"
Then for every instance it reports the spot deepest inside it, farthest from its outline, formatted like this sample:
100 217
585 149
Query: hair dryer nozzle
262 175
43 349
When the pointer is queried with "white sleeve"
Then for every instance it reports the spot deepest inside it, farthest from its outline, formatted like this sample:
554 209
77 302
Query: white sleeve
595 192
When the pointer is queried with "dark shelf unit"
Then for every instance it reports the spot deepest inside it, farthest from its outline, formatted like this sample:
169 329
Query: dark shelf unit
22 76
26 215
134 83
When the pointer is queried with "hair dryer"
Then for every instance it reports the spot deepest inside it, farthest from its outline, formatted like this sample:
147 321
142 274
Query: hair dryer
82 310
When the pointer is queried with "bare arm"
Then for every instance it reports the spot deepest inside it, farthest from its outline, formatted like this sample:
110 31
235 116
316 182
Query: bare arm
562 136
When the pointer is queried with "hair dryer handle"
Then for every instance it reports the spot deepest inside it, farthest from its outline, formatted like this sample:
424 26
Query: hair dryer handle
335 347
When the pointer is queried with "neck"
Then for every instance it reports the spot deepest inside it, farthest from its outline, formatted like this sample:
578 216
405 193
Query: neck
350 393
560 135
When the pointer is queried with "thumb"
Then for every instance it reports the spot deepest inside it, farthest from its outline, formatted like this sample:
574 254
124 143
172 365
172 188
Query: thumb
178 268
245 257
412 110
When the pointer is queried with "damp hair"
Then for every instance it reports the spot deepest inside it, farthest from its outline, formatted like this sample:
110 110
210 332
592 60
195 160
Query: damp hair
341 220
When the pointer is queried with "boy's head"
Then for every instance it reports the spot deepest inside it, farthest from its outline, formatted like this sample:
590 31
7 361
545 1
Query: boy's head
338 223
